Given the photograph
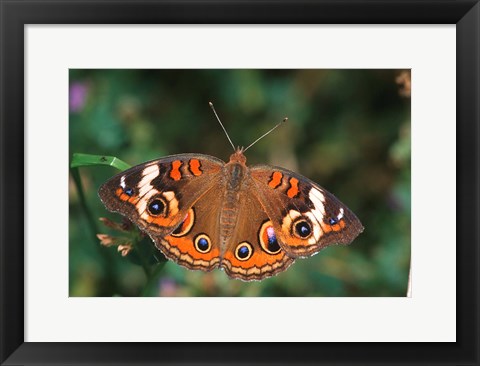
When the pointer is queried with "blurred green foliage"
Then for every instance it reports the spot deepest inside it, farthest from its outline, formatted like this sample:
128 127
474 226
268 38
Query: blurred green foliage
348 130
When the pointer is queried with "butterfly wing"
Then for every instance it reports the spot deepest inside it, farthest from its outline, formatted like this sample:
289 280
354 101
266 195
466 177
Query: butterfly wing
305 216
157 195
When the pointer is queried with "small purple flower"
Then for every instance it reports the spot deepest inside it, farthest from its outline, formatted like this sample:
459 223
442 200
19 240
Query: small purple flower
168 287
77 96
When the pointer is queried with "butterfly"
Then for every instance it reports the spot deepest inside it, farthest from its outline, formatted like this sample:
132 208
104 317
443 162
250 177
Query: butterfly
252 222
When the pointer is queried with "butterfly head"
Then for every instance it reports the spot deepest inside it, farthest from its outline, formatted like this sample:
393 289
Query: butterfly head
238 156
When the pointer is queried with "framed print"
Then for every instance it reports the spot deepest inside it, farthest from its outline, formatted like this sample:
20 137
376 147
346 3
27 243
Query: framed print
186 169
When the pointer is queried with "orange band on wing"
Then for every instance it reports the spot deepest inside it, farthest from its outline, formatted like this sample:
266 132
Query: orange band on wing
159 221
335 227
125 197
293 190
185 245
276 180
121 195
175 173
195 165
258 259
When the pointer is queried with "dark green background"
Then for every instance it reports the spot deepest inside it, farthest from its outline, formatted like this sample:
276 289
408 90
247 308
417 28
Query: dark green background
348 130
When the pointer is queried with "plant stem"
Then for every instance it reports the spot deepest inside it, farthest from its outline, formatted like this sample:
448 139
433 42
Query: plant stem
105 255
152 281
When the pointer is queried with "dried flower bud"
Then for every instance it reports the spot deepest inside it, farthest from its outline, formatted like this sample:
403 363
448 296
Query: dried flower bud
106 240
125 249
114 225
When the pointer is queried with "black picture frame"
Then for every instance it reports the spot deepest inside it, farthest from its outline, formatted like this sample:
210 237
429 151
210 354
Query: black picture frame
16 14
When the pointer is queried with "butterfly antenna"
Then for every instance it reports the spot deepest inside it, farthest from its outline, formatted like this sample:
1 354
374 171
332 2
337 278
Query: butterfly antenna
224 130
265 134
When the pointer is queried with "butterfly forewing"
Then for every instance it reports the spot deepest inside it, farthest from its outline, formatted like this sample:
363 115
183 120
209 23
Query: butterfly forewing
306 217
157 195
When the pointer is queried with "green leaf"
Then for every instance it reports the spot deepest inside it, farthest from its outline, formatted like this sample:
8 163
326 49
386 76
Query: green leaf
79 160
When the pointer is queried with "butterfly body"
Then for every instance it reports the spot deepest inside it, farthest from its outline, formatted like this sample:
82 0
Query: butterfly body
253 222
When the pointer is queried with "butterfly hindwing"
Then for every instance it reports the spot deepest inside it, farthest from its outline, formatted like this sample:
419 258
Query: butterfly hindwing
254 252
194 242
202 240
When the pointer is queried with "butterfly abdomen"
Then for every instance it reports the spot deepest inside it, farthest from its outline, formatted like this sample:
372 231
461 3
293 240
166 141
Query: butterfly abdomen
229 210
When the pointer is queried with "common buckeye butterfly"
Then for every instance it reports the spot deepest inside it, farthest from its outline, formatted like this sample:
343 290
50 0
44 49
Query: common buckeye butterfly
204 213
